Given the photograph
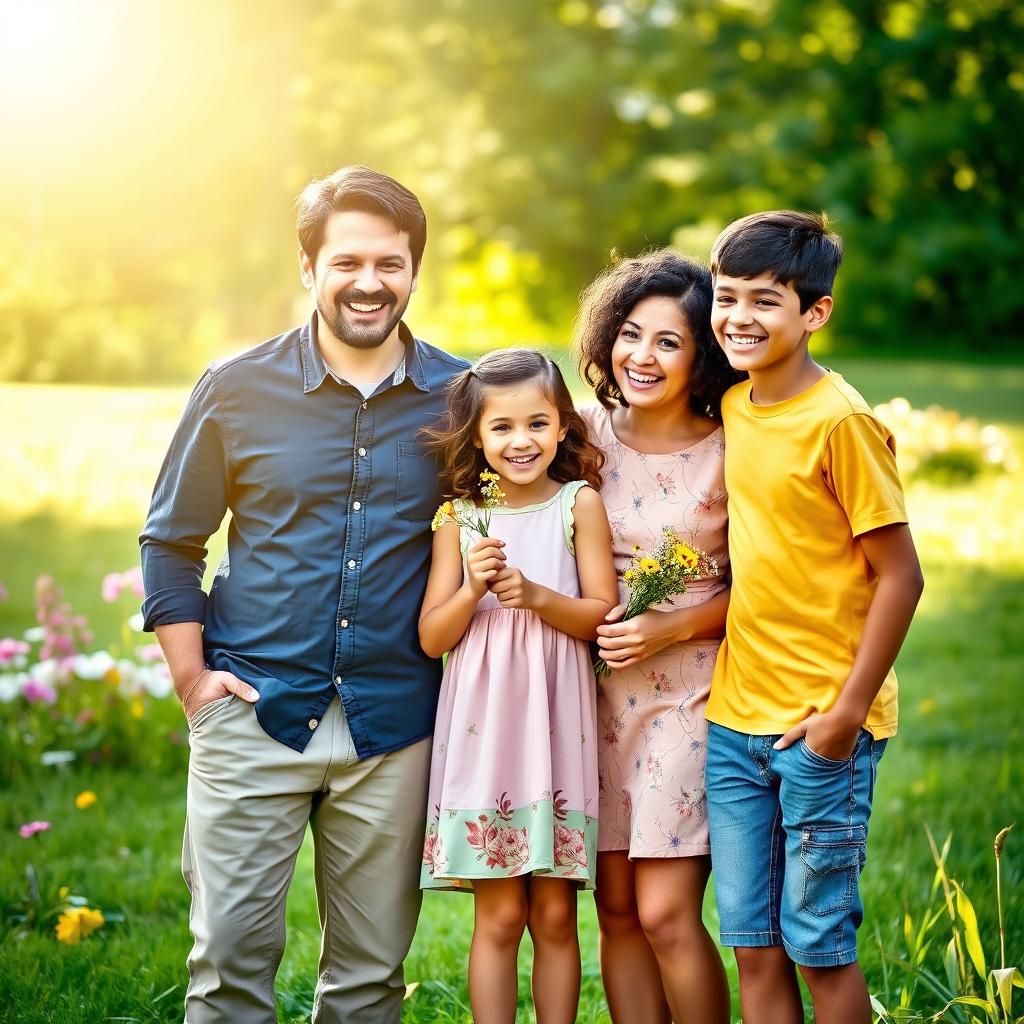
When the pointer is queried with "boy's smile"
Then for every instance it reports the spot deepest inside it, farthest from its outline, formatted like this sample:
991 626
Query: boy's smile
760 327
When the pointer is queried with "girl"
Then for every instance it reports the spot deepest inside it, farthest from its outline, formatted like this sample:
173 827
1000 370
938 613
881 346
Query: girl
515 592
643 341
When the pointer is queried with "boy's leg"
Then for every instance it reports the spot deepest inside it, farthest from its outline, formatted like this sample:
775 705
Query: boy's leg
368 824
826 805
748 856
248 804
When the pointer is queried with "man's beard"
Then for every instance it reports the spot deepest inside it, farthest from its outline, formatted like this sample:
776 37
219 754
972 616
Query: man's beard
359 335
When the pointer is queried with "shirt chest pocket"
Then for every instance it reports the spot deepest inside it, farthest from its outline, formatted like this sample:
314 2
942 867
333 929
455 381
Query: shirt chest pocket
417 485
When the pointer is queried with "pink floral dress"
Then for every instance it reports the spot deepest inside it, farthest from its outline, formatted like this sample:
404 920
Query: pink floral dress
513 780
652 736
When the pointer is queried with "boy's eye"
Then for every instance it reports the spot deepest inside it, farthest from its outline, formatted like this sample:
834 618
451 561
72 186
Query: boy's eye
723 300
766 302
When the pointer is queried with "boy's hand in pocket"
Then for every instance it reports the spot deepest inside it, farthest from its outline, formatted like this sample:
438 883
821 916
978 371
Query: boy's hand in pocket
830 735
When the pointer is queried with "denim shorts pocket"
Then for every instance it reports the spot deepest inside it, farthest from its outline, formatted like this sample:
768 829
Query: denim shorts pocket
822 760
417 484
831 858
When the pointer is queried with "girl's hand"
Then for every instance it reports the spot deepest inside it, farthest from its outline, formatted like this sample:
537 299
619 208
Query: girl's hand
513 589
625 643
484 561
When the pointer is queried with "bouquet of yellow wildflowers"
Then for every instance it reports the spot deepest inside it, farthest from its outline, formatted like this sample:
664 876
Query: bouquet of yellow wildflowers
480 520
658 576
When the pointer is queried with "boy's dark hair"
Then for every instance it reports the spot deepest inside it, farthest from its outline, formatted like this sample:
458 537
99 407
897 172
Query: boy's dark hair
797 249
607 301
359 188
453 437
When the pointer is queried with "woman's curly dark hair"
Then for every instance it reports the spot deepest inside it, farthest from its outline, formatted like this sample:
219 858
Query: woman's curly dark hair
453 437
607 301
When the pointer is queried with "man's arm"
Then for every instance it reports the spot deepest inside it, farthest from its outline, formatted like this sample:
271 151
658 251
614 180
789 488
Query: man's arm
189 502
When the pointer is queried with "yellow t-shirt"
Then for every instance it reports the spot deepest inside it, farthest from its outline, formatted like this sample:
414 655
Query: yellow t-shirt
806 477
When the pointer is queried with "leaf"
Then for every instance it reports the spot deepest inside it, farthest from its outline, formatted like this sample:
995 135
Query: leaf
1003 977
949 961
965 909
883 1014
411 988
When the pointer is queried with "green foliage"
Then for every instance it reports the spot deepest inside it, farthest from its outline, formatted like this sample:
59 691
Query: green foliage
542 135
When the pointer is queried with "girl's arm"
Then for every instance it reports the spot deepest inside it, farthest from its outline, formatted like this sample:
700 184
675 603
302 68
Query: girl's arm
577 616
625 643
450 600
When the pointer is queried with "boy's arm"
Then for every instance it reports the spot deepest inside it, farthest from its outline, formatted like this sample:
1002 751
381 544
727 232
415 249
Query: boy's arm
891 553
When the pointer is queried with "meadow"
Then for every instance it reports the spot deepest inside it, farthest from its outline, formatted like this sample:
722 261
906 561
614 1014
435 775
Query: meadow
78 466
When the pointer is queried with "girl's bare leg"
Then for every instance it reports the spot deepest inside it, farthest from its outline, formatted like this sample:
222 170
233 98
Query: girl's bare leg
499 918
556 950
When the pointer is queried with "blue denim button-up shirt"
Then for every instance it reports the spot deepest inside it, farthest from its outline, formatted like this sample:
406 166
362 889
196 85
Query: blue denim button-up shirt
329 543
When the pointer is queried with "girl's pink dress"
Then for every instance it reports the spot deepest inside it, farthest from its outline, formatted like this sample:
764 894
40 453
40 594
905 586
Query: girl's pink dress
513 781
652 737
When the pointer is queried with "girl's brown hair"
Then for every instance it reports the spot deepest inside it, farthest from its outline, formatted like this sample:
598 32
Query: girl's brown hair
607 301
453 436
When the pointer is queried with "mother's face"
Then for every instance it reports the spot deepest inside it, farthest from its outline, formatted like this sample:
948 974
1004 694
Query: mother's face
653 355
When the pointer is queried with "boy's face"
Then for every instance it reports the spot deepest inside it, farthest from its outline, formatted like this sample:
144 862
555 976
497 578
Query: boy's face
758 322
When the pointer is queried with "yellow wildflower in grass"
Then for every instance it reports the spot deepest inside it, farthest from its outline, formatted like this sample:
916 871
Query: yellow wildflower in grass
113 675
62 892
85 799
650 565
138 709
629 575
76 923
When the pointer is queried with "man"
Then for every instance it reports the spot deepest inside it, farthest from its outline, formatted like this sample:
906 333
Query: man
307 695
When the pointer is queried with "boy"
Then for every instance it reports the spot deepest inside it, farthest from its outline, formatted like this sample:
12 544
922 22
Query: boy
825 583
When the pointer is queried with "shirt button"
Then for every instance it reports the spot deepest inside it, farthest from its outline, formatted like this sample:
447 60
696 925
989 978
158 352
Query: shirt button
351 563
337 679
313 723
362 453
357 505
364 405
344 625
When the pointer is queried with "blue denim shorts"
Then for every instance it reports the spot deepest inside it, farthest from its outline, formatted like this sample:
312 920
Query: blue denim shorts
788 834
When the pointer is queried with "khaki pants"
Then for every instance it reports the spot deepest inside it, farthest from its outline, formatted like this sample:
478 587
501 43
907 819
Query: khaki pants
249 799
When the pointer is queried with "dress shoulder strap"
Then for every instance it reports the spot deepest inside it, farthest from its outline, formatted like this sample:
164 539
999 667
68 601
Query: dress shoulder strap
566 502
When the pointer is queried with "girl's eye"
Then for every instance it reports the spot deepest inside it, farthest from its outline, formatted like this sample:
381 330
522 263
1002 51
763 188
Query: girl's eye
539 424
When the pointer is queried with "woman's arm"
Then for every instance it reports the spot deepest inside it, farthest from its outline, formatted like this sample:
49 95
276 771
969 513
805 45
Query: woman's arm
450 600
624 643
577 616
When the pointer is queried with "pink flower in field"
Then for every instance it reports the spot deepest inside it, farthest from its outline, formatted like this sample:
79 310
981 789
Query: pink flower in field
39 693
29 830
133 579
149 652
111 587
3 592
11 649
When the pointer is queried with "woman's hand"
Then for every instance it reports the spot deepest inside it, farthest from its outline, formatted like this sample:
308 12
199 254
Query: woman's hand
625 643
484 561
514 590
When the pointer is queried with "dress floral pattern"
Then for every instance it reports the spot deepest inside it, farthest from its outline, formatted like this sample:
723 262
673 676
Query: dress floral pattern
513 780
652 736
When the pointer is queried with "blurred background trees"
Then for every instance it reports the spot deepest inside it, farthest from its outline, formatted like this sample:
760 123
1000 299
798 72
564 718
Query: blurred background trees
144 195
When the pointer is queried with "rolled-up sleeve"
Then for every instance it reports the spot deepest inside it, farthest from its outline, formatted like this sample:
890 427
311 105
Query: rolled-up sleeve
189 503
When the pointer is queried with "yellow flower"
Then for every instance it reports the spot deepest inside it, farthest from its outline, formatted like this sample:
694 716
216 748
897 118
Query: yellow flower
444 512
74 924
650 565
488 476
685 556
63 891
629 575
138 709
85 799
113 675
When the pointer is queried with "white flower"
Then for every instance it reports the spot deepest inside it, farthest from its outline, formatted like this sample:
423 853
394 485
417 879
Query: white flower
52 757
10 687
136 622
93 666
35 634
47 672
157 680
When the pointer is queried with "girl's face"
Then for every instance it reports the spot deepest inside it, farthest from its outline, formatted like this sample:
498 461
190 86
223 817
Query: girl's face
653 355
519 432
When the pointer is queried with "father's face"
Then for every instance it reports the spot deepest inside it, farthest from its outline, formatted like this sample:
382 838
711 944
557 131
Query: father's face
362 277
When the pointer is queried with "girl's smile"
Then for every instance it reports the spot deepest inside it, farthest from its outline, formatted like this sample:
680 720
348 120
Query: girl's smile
519 433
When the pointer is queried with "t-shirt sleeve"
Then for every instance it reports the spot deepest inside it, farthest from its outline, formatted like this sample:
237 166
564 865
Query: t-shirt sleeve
859 467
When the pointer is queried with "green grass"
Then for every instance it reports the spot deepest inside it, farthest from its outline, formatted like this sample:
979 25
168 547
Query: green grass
956 765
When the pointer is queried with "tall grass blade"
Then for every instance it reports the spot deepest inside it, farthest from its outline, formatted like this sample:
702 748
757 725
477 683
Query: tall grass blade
972 937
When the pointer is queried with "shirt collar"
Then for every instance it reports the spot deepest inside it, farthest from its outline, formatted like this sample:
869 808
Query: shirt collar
315 370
